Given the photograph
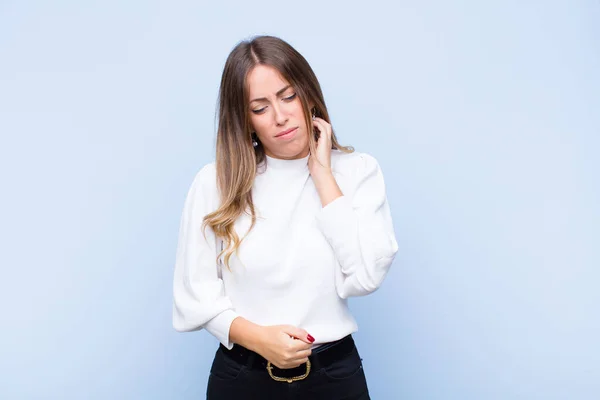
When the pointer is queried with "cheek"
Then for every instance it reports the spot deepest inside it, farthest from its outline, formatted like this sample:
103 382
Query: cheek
299 112
258 123
299 117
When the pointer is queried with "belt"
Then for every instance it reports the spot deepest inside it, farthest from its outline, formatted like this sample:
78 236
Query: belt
320 357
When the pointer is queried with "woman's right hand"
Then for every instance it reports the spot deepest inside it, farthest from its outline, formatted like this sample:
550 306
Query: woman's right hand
286 346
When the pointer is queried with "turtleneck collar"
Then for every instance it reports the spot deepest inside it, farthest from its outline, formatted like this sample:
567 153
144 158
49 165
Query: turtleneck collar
282 164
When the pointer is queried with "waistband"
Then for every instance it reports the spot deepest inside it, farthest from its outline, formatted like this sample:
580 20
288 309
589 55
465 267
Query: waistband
320 357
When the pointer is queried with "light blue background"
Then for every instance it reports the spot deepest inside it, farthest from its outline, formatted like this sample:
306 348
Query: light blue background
483 114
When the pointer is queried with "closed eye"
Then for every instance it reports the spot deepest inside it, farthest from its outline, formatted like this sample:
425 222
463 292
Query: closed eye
261 110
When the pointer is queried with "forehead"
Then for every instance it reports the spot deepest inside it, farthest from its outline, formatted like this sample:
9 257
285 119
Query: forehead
264 80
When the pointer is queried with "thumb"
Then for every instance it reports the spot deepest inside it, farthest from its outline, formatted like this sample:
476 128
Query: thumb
298 333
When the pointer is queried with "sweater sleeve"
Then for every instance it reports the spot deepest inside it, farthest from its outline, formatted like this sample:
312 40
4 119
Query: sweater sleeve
199 298
358 226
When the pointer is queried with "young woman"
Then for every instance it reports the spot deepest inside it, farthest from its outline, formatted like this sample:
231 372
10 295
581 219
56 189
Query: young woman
277 234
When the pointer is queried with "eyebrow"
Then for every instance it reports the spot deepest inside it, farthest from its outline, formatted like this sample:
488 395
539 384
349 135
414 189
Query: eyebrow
279 93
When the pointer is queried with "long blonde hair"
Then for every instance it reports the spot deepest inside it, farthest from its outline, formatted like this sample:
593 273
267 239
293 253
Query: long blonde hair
237 158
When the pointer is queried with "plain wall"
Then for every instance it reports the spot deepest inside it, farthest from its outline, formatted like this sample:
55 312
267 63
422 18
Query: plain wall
483 115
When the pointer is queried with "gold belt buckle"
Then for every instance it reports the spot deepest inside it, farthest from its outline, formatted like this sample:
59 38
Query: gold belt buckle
288 380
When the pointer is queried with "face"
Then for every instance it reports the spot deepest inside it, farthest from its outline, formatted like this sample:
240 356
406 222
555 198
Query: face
276 114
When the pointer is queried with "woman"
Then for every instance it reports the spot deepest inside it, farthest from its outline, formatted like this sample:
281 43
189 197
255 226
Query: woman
277 234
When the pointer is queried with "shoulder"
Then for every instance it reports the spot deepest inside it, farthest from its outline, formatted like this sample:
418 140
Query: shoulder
356 170
207 176
204 185
353 163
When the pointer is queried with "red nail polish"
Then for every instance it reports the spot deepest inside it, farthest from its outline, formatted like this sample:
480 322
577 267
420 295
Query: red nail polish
310 338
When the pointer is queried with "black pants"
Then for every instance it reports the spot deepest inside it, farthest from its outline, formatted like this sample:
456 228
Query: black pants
344 378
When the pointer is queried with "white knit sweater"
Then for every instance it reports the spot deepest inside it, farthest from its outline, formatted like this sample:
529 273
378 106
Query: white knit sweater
300 262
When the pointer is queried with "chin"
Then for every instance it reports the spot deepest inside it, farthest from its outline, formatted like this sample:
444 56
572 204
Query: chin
292 151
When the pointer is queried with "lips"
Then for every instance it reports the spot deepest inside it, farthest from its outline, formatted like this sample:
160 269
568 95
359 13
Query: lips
284 133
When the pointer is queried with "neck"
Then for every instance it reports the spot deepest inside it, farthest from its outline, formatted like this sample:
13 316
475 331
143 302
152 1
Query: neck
298 163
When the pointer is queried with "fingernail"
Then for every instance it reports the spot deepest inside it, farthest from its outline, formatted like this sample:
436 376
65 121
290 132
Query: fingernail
310 338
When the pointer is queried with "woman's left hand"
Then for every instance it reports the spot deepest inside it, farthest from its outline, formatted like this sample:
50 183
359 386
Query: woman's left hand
320 163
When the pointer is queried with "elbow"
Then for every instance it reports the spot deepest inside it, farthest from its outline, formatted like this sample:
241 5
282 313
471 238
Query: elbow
382 258
373 281
183 324
387 250
352 286
179 327
365 280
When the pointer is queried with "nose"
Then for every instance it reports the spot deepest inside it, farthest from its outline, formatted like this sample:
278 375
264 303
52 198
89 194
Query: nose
280 117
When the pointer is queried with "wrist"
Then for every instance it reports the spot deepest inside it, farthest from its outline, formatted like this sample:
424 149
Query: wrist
246 333
327 188
322 176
